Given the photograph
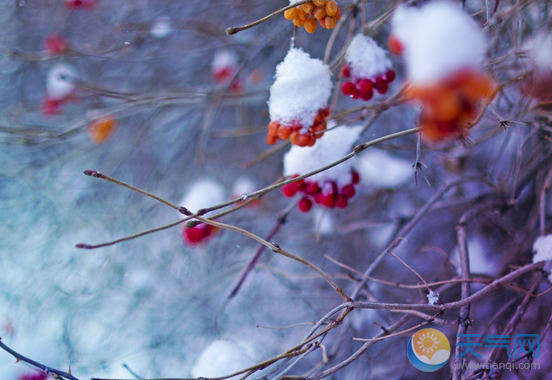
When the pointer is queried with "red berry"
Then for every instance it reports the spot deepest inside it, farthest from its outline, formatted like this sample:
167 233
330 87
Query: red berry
365 85
381 85
341 201
325 111
348 89
55 44
34 376
348 191
366 95
312 188
193 235
346 71
390 76
50 106
289 190
305 204
355 178
355 94
335 190
327 200
299 185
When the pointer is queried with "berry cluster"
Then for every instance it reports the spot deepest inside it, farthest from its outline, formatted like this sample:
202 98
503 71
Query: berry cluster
297 134
101 129
305 15
195 235
363 88
326 194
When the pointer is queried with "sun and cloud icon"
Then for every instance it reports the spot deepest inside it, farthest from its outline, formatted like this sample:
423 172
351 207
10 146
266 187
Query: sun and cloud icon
428 350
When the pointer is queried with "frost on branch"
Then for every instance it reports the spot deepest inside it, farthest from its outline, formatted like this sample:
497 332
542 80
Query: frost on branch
443 50
330 188
203 193
433 298
543 252
539 81
298 99
368 69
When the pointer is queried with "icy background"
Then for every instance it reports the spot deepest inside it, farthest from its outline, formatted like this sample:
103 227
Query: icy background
152 303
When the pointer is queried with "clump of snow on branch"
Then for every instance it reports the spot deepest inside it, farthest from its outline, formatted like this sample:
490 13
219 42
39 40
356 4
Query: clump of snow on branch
244 185
332 147
365 58
438 39
381 170
203 193
324 223
161 27
433 298
221 358
60 81
302 87
543 252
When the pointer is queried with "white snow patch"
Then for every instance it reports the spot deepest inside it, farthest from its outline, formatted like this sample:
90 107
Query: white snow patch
324 223
243 185
161 27
438 39
381 170
366 58
302 87
333 146
543 252
224 59
58 81
433 297
203 193
539 49
221 358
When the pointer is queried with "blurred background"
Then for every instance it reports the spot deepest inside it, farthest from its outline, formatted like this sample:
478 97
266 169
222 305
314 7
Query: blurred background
151 307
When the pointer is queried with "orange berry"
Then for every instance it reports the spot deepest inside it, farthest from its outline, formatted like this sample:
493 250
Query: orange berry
323 22
319 13
303 140
312 140
100 130
330 22
298 22
310 25
395 46
338 14
301 13
293 138
271 140
284 132
307 7
273 128
319 3
291 13
331 8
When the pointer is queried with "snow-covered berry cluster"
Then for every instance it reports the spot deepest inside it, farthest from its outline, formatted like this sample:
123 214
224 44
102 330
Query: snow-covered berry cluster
443 50
203 193
538 84
367 69
60 88
331 188
224 67
326 193
327 13
298 100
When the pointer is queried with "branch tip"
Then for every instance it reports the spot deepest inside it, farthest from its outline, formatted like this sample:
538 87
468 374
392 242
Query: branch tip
93 173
